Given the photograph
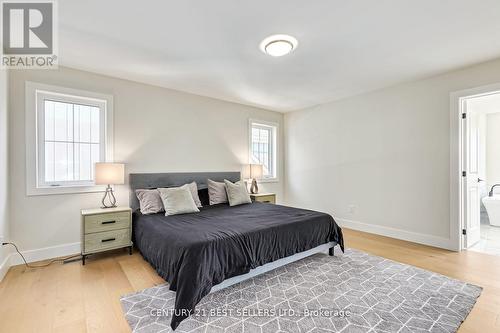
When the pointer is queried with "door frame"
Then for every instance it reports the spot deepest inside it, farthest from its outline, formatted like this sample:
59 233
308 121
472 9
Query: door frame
457 198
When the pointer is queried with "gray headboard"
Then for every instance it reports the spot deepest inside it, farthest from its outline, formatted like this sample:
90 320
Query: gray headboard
156 180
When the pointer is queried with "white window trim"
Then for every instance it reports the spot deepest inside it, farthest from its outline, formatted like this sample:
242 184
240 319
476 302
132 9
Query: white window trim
276 136
31 127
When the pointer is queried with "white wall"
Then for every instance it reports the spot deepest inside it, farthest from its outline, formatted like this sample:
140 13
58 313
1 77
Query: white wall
384 153
155 129
493 150
4 180
378 162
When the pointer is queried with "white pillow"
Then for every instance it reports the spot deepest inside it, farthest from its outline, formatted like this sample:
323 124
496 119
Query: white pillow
177 200
237 193
149 201
193 188
216 192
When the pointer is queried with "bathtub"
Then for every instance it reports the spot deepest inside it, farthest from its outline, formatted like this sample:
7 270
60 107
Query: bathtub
492 205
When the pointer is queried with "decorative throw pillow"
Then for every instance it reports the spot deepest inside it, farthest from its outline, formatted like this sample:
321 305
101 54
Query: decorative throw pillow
177 200
149 201
193 188
237 193
216 192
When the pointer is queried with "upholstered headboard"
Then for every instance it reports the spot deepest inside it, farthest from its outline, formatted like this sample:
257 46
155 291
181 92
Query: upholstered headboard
156 180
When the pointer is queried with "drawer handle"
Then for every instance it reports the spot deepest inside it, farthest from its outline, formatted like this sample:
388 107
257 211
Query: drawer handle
108 240
108 222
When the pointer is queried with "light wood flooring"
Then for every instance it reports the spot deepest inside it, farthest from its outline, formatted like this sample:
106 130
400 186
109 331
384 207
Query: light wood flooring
74 298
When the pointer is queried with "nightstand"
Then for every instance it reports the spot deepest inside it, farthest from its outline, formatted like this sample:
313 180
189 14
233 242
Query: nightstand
264 197
106 229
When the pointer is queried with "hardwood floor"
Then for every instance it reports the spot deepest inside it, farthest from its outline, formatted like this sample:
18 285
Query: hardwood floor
75 298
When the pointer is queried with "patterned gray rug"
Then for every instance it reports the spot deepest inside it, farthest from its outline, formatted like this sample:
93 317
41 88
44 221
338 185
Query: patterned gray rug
354 292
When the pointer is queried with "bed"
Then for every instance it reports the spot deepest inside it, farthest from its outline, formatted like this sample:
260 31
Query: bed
221 245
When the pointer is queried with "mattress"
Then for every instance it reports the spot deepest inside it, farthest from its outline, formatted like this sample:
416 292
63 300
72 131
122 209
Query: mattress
194 252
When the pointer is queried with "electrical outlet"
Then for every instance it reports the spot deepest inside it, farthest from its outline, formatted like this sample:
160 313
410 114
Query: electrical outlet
352 209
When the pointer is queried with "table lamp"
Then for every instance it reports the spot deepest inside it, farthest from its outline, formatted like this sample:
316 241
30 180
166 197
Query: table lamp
109 174
256 172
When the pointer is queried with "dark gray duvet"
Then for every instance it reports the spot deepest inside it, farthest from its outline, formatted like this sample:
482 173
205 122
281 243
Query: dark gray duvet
194 252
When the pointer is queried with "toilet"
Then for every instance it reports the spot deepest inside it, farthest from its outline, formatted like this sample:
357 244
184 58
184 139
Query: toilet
492 205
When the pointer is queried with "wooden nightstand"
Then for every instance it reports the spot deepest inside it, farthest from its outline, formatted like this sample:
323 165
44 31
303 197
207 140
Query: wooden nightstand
106 229
264 197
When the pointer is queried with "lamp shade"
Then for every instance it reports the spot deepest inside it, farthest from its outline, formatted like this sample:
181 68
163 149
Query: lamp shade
109 173
256 171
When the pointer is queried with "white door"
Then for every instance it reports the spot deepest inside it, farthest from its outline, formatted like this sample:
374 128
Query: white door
472 206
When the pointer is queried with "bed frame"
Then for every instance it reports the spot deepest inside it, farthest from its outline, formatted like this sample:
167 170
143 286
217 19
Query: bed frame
325 248
156 180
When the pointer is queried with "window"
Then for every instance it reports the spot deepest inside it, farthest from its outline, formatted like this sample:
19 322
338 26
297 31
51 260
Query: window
71 131
70 139
263 146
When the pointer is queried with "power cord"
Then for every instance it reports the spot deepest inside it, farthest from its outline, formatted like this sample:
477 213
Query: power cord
44 265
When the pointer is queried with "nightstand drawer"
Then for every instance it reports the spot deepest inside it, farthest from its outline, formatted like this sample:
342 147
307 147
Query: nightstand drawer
106 222
271 198
105 240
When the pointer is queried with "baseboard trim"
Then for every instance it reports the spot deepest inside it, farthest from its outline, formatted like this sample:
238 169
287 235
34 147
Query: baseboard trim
74 248
415 237
45 253
4 267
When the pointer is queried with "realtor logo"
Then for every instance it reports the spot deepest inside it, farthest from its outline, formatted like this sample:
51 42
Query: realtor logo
28 35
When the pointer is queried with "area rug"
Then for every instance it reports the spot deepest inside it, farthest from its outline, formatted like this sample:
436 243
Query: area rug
353 292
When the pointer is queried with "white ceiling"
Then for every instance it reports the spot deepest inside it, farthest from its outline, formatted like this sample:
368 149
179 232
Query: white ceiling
211 48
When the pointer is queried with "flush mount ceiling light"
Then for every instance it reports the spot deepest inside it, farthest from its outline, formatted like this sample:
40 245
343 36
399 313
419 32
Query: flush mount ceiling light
278 45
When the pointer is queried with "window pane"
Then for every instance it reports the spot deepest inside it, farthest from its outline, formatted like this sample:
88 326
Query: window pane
255 134
262 149
264 136
76 124
85 162
69 122
72 141
61 122
95 129
71 163
49 161
49 120
76 156
85 121
61 161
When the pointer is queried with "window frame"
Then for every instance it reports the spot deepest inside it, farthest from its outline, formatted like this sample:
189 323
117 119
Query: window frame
35 146
275 146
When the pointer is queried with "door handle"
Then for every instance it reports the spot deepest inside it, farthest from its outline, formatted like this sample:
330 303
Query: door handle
480 180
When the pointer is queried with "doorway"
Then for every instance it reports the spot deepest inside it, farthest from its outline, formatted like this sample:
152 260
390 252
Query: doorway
480 153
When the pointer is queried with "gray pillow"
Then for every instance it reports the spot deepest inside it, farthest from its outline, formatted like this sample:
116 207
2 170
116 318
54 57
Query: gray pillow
149 201
237 193
193 188
216 192
177 200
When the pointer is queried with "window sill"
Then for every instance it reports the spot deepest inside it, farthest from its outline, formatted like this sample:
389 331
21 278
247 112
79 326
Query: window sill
268 180
34 191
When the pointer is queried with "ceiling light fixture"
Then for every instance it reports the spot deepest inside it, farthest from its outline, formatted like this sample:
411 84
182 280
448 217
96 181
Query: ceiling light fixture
278 45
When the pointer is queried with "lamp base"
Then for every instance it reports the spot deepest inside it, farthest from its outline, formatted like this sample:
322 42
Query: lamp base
110 197
254 189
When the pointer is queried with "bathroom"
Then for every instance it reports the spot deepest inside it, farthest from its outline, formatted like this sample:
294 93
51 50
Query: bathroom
485 130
